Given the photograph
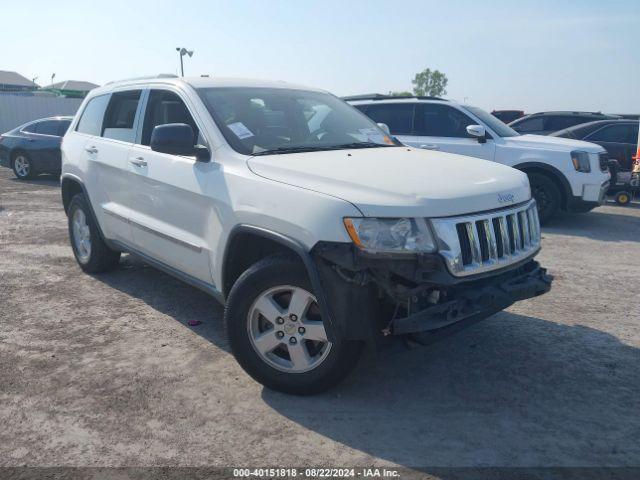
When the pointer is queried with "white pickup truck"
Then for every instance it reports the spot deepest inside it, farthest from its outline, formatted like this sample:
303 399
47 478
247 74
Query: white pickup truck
565 174
316 230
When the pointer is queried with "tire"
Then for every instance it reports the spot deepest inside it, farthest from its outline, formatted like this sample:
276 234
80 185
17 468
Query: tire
23 166
89 248
277 280
546 194
623 198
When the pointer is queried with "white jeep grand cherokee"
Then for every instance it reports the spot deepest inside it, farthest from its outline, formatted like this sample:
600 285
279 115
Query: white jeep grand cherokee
298 212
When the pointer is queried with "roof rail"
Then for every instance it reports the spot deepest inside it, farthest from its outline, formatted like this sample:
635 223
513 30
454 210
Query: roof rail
381 96
146 77
571 112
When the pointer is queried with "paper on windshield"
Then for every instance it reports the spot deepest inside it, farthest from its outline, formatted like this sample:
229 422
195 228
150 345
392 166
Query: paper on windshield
373 135
240 130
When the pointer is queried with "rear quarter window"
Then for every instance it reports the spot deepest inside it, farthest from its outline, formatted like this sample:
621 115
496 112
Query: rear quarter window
92 116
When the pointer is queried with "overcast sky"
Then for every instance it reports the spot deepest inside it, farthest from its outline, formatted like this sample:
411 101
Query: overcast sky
531 55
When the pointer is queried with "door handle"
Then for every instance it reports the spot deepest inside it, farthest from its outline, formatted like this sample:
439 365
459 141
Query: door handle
138 162
430 146
91 150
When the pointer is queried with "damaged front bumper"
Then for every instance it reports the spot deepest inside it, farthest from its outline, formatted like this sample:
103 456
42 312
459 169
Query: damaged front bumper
480 300
372 297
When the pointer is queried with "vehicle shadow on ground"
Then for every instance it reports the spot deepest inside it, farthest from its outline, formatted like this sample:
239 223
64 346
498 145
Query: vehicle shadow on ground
598 225
169 296
43 179
513 390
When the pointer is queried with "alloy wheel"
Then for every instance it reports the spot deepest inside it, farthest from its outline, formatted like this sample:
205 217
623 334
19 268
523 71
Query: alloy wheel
22 166
286 330
81 236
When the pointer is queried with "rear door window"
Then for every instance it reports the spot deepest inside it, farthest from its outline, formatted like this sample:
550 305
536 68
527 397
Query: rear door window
120 116
63 126
613 134
397 116
91 120
47 127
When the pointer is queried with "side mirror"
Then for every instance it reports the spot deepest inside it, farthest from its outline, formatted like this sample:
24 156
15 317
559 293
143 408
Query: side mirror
178 139
385 128
478 131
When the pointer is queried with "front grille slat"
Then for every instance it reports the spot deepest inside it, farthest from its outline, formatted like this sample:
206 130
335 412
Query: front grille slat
475 243
481 242
491 240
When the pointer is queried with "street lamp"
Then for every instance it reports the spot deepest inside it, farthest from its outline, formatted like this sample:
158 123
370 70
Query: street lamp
182 52
53 75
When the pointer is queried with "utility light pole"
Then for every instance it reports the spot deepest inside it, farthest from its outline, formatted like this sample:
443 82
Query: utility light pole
53 75
182 52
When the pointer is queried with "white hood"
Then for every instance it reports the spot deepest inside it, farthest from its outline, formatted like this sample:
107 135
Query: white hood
400 181
557 144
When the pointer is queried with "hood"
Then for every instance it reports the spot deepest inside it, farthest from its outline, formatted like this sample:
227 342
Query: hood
400 181
557 144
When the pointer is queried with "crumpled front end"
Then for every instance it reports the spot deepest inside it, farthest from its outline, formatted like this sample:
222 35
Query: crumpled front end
484 265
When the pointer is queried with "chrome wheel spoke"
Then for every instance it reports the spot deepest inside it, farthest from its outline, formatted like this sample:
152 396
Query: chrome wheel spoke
300 358
268 308
299 304
266 342
314 331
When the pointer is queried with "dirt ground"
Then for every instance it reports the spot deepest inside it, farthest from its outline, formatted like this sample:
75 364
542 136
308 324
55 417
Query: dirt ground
104 370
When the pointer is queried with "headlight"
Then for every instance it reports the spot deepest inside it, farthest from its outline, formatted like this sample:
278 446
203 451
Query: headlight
391 235
581 161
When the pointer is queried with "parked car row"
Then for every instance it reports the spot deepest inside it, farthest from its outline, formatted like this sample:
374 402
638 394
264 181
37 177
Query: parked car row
564 174
321 227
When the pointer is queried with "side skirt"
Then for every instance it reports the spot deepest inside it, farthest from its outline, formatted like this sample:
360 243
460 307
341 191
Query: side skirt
194 282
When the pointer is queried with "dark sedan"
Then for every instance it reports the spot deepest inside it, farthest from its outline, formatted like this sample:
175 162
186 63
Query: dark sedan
34 147
618 137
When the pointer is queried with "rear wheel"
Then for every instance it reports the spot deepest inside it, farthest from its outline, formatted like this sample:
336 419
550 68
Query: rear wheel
546 194
89 248
623 198
23 166
277 333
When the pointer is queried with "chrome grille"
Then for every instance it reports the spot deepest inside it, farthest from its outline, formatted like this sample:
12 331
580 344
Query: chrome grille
487 241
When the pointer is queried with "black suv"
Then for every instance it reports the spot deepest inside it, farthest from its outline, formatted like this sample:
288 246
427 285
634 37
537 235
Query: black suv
545 123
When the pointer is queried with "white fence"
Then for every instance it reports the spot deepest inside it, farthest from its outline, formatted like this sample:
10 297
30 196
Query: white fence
16 109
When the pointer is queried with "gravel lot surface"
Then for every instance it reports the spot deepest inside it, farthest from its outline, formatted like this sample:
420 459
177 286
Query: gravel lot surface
104 370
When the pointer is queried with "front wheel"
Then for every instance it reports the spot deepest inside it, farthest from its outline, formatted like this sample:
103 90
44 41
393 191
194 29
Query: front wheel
546 194
277 334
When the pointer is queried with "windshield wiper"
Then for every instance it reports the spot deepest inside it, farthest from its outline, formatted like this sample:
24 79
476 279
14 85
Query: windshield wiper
319 148
281 150
346 146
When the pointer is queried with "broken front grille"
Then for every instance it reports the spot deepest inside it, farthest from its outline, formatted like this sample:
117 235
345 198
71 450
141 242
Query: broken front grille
488 241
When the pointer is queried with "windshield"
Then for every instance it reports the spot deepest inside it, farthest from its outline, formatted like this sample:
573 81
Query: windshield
261 121
501 129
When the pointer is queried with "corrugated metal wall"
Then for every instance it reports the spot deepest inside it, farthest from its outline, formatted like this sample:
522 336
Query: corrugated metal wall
16 109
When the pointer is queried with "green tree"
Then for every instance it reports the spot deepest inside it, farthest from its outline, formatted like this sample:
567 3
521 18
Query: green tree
430 83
